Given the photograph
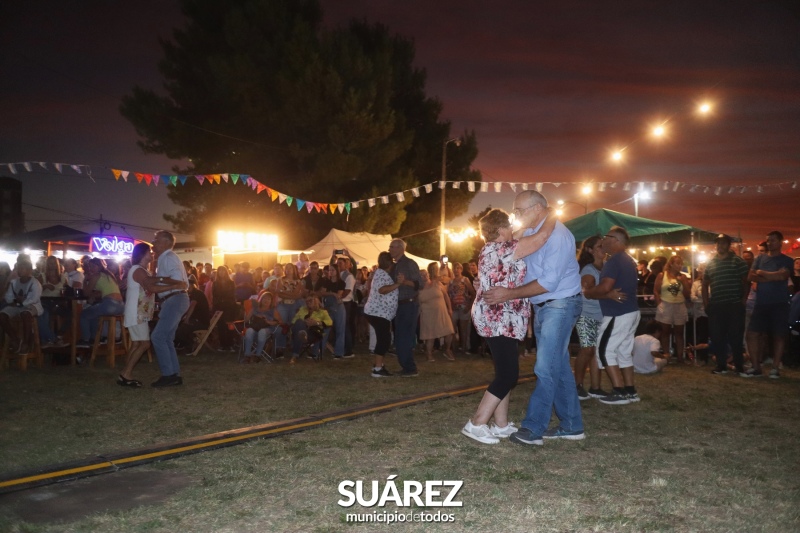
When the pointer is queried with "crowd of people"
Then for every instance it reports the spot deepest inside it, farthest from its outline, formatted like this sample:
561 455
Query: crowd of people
524 282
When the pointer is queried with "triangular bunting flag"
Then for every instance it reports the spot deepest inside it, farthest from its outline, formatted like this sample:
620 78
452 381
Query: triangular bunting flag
76 168
385 199
273 194
281 197
471 186
539 187
498 186
289 200
148 178
12 168
627 186
235 178
513 186
321 208
354 205
200 178
332 207
484 187
156 179
340 207
58 167
415 192
27 166
401 197
347 207
245 178
300 204
173 179
442 184
524 186
43 165
224 177
456 184
216 178
260 187
310 206
428 187
371 202
139 176
183 179
116 173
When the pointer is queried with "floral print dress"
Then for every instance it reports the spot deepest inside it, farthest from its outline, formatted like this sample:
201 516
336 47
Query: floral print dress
498 268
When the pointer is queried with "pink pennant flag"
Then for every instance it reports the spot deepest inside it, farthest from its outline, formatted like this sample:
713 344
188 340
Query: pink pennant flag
341 208
76 168
281 197
224 177
310 206
125 175
156 179
200 178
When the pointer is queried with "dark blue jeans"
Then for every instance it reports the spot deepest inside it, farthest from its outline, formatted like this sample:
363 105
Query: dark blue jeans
405 338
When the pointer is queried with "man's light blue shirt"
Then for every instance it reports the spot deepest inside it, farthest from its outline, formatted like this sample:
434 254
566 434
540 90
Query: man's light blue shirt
554 265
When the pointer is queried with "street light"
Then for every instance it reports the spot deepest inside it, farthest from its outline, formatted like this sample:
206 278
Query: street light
442 236
562 203
644 196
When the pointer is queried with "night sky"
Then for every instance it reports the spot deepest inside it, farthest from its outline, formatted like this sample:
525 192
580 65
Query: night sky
548 89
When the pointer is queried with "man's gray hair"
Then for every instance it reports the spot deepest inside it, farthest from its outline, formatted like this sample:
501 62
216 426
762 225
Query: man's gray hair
622 234
533 198
401 241
166 235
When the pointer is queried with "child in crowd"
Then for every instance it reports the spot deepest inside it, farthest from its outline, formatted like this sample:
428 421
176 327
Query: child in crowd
647 356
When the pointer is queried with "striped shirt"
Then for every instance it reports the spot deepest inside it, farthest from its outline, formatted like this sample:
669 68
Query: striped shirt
725 275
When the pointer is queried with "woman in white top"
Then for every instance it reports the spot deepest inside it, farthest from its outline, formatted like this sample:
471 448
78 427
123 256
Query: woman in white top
380 309
139 305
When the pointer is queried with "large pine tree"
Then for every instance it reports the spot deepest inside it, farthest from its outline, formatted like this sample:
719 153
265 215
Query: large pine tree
258 87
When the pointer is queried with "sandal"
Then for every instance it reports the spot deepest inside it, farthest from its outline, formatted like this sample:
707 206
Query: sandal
128 382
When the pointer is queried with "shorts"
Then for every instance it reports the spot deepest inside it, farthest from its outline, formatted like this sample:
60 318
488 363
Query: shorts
615 346
139 332
13 310
767 318
587 331
672 314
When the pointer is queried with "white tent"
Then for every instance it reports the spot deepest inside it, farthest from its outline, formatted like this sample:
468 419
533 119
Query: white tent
364 247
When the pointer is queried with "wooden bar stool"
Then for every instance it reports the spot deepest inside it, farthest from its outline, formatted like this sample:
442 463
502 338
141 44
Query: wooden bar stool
34 353
109 350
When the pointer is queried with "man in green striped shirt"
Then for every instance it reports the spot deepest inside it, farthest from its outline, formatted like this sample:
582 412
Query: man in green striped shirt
726 276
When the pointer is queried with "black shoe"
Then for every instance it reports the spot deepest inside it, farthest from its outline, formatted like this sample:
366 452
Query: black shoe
597 393
128 382
526 436
719 372
582 394
167 381
409 374
381 373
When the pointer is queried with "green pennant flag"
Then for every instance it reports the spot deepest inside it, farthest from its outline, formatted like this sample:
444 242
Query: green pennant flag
289 200
235 178
173 180
347 207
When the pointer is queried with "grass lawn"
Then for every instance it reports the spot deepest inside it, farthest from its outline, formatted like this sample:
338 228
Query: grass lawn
698 453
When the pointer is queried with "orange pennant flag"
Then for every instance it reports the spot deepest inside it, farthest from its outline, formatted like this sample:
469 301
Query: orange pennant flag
117 173
139 177
273 194
216 178
260 188
332 208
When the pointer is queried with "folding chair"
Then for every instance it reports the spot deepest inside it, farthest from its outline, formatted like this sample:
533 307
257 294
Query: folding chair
313 341
201 335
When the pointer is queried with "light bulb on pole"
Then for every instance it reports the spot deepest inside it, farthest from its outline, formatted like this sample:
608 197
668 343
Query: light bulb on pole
442 236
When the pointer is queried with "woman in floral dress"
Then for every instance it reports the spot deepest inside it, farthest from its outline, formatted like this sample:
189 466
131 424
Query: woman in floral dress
502 325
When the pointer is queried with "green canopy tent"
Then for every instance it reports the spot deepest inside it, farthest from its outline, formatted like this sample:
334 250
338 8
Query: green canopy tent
643 231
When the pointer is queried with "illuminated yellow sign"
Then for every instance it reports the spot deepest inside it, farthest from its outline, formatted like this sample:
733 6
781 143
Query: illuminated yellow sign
234 241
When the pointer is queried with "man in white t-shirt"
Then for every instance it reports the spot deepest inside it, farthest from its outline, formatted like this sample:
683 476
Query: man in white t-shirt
647 356
174 305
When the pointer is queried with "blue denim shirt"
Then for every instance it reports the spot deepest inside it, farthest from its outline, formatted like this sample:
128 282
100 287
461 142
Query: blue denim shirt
554 265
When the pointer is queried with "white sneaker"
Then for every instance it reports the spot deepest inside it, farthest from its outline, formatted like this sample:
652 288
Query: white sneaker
479 433
505 432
